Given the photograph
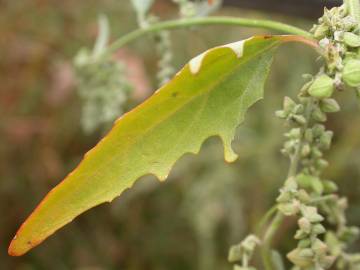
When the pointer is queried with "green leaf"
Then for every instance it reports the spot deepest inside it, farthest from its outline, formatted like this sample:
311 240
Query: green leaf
277 260
208 97
103 36
142 6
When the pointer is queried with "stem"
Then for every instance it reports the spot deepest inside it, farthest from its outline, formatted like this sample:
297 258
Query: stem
353 7
279 217
265 218
182 23
269 235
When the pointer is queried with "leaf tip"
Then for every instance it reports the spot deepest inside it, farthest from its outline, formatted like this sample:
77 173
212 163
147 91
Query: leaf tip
17 250
229 154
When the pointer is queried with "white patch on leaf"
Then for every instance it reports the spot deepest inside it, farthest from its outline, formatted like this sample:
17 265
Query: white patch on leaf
195 63
237 47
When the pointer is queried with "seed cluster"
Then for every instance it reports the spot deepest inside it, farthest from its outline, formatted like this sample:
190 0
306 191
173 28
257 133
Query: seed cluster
243 252
103 88
323 234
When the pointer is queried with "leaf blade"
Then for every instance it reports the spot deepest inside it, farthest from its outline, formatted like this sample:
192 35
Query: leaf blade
198 103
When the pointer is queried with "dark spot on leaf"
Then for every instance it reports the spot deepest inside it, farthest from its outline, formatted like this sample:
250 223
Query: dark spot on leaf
174 94
267 36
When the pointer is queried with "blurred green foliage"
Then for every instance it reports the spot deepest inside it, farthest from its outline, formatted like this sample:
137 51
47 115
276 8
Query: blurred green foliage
206 205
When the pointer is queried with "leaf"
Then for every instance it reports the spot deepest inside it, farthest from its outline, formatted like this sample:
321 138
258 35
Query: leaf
103 36
142 6
208 97
277 259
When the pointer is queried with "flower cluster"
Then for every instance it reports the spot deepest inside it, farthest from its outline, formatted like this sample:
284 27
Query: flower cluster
306 140
101 83
305 194
242 253
103 89
339 38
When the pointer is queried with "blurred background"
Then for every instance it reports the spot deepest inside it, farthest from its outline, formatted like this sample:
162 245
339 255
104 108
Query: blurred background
187 222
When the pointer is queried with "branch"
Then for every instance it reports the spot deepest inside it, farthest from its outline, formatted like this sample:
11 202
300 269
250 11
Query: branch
183 23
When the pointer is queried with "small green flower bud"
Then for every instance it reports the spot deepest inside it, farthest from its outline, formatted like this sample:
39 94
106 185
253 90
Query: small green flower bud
322 87
284 197
333 243
317 186
289 209
343 203
304 243
305 180
300 234
299 119
329 105
298 109
322 163
311 214
318 115
303 196
319 247
327 261
316 152
235 254
284 151
318 130
291 184
294 133
306 252
349 234
351 39
305 87
281 114
305 150
318 228
290 144
249 243
329 186
288 104
301 257
304 225
325 139
351 73
321 31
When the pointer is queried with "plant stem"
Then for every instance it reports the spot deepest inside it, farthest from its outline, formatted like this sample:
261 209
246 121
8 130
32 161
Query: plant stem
353 7
182 23
266 244
265 219
279 217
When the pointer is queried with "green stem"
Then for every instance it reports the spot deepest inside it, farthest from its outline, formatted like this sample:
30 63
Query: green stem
279 217
353 7
265 219
182 23
267 240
